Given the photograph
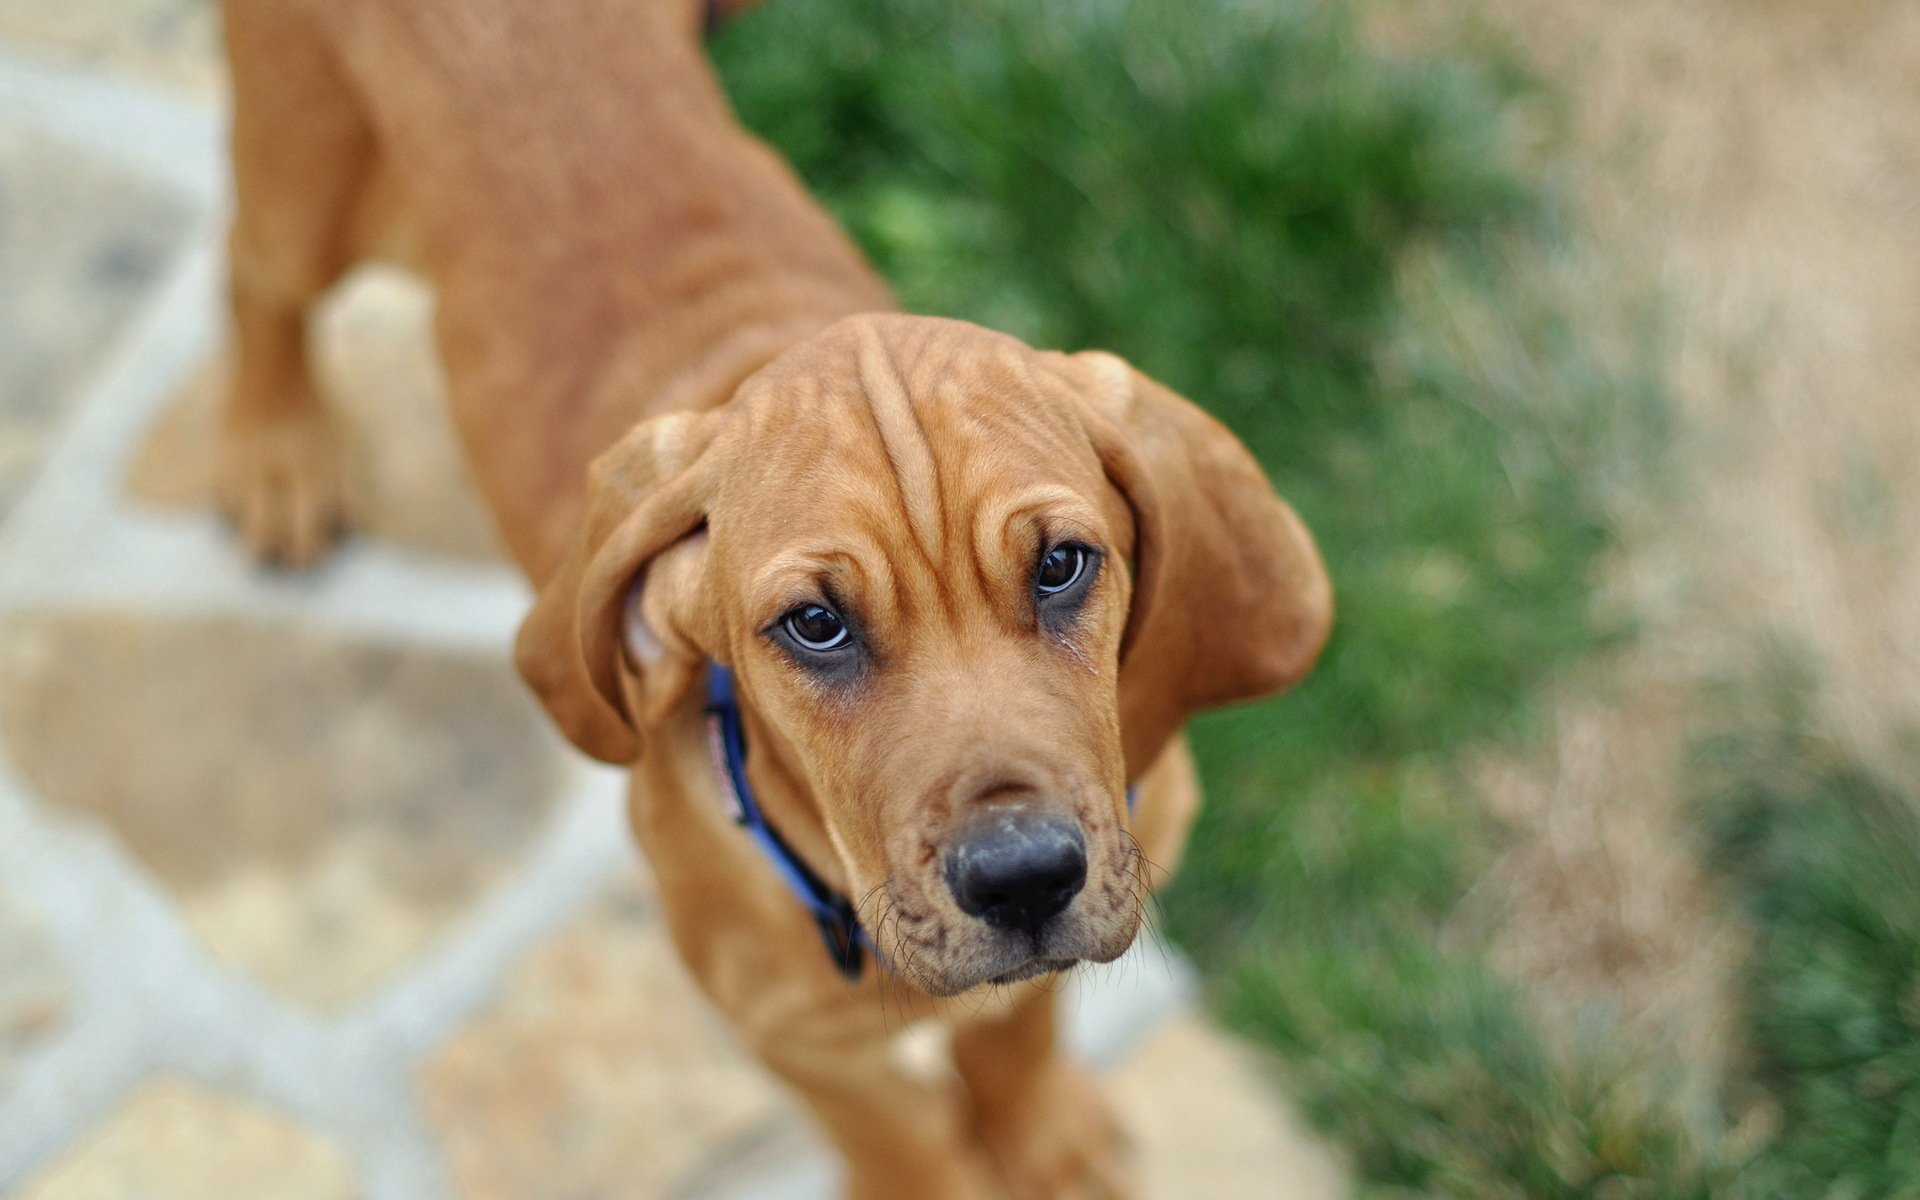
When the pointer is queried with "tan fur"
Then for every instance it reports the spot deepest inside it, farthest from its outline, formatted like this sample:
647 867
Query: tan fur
690 409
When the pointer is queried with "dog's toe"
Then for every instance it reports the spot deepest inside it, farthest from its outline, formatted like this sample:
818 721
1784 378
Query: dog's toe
281 485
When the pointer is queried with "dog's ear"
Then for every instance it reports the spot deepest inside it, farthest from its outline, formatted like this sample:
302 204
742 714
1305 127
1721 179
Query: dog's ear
614 638
1230 600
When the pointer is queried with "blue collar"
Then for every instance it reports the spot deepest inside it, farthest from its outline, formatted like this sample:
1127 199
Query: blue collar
839 925
846 942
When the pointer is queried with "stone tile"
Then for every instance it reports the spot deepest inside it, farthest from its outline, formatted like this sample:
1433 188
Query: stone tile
319 808
33 988
176 1142
1206 1123
80 244
377 366
174 43
1203 1121
600 1072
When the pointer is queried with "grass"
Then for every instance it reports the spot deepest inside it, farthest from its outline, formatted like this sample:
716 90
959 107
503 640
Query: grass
1341 255
1823 853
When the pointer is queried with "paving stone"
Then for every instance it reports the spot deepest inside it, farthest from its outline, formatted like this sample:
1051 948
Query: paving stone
33 988
600 1072
1206 1123
169 42
320 809
176 1142
80 244
1202 1120
377 366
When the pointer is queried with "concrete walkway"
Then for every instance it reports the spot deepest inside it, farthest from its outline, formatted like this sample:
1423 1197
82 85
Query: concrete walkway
299 897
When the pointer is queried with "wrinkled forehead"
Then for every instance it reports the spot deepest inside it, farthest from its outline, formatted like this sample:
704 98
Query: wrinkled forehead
909 428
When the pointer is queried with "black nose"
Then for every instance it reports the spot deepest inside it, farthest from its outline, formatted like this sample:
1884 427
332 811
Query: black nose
1016 867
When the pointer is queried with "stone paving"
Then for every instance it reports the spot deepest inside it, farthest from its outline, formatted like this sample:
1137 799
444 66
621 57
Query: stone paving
299 896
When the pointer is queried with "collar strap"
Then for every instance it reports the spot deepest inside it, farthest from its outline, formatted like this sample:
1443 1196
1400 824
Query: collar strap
727 742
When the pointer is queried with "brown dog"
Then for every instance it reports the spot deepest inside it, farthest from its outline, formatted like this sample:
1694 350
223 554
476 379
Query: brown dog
968 591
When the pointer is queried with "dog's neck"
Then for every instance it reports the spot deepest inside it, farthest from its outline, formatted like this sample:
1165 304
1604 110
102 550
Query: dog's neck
607 242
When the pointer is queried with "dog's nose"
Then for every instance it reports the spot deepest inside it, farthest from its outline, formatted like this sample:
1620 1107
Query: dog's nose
1016 867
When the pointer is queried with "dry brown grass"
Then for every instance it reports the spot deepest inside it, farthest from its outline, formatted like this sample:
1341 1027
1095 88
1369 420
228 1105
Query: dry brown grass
1599 904
1765 158
1760 159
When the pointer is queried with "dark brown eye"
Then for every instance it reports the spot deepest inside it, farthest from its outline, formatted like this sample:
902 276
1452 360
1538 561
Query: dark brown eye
816 627
1060 569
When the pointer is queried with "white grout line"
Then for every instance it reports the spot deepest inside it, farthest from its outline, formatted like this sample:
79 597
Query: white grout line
55 876
180 565
79 482
150 997
66 1088
586 849
175 143
136 970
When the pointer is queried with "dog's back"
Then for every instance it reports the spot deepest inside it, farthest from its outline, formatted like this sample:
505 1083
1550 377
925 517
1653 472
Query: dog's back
867 536
606 242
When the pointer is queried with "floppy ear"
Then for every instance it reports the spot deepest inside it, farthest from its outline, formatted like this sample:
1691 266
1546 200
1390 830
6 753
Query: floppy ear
604 647
1231 600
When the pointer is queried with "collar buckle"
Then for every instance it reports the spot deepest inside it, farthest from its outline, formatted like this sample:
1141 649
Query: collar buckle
841 932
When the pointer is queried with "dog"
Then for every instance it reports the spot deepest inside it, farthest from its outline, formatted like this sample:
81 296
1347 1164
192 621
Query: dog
895 620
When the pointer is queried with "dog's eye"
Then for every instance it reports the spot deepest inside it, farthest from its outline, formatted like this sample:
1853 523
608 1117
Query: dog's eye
816 627
1060 569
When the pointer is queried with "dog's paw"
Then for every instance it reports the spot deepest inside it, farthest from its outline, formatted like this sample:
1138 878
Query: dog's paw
1068 1146
962 1175
282 486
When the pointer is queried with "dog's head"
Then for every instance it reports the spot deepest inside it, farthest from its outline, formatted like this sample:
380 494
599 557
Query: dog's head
968 589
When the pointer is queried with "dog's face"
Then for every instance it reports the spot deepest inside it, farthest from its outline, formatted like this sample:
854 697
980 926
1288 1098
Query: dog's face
920 571
915 542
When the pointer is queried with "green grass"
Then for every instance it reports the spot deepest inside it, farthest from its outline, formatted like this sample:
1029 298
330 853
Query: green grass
1340 255
1823 854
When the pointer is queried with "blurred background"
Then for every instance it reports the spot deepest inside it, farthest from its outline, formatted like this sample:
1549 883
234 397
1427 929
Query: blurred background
1585 337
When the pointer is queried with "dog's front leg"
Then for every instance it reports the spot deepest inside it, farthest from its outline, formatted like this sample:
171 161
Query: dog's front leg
757 955
1041 1118
902 1138
302 153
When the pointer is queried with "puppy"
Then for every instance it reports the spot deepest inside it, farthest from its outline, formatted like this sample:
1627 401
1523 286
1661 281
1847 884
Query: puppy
895 620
